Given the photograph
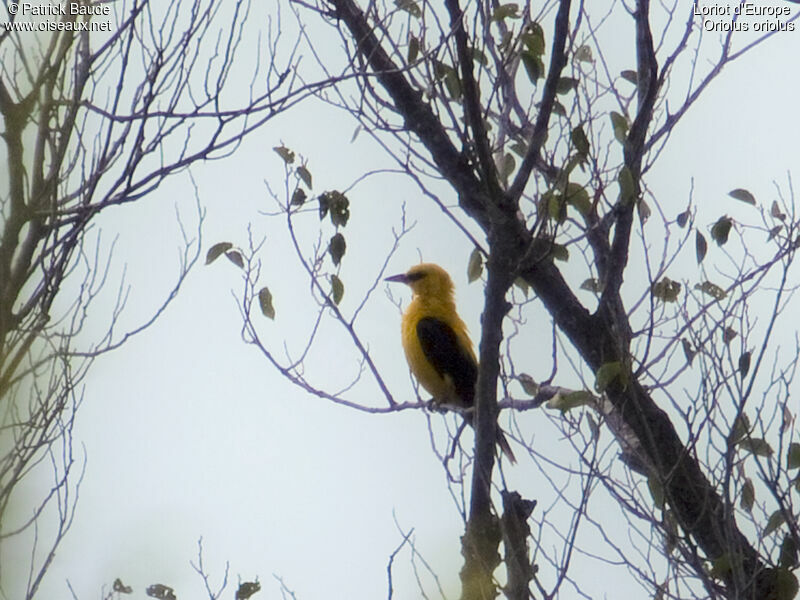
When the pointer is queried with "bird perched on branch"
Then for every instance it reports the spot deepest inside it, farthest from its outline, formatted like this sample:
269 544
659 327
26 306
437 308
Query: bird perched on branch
436 343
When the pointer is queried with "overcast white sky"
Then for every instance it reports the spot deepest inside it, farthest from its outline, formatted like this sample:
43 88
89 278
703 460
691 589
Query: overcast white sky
189 433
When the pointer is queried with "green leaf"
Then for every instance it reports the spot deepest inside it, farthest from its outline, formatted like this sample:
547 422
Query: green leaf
305 175
574 161
506 166
688 352
505 11
337 204
656 491
577 196
788 554
775 520
286 154
247 589
786 585
216 251
721 229
265 302
712 289
744 364
564 85
584 54
748 497
519 148
700 246
554 205
410 6
475 265
533 64
479 57
413 49
449 75
159 591
728 335
522 285
337 247
559 252
671 528
620 125
630 75
741 428
775 211
721 566
683 218
580 141
666 290
566 402
337 289
757 446
606 374
627 189
121 588
340 211
533 39
793 456
235 257
298 197
644 210
743 195
593 285
558 108
788 419
453 84
529 386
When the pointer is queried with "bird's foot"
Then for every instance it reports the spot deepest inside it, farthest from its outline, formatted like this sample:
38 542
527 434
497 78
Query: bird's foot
433 406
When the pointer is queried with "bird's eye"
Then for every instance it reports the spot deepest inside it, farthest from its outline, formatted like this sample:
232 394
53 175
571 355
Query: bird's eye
416 276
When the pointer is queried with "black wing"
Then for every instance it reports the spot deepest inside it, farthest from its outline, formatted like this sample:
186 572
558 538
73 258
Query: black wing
440 346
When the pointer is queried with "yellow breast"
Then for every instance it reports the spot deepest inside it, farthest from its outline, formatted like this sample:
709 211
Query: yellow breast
440 387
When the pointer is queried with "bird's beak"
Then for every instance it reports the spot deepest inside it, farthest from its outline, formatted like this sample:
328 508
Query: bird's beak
401 278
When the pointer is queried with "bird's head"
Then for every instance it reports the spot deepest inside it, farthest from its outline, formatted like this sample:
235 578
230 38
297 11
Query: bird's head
427 280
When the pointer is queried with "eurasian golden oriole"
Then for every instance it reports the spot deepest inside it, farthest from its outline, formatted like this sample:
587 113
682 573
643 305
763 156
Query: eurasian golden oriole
436 342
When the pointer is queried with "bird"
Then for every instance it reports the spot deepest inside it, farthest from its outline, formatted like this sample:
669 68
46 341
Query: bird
436 342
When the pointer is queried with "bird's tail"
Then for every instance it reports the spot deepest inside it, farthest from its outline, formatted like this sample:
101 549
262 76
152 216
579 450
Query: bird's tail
504 446
500 438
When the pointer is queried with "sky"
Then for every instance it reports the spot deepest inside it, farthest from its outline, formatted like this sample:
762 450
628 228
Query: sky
189 433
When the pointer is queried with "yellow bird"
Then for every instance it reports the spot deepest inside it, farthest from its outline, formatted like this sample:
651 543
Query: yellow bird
435 339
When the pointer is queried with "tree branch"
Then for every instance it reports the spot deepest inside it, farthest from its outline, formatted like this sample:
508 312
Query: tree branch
472 103
633 154
480 543
419 117
558 60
